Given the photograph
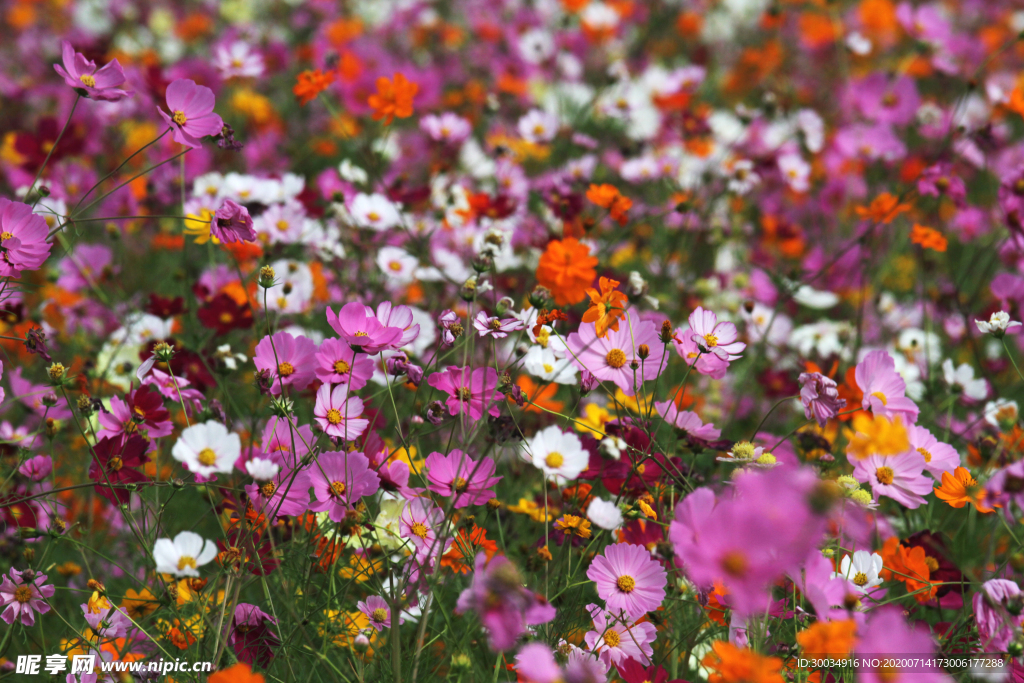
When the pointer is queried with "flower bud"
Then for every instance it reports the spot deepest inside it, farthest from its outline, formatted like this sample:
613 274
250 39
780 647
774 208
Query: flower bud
643 351
56 373
267 276
85 405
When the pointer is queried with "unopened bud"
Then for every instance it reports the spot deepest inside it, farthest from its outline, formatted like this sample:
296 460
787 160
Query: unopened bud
267 276
85 405
643 351
361 643
163 351
665 336
52 427
56 373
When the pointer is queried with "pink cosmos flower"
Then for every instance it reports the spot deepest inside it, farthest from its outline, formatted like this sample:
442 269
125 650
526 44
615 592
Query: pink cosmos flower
938 457
142 409
82 75
338 414
287 360
504 606
713 337
171 386
493 326
629 579
612 357
470 392
37 468
448 127
997 625
820 396
400 317
456 474
377 611
22 238
420 522
339 480
687 420
23 593
900 477
615 639
887 638
108 623
707 364
191 116
232 223
285 494
884 389
339 363
357 325
536 663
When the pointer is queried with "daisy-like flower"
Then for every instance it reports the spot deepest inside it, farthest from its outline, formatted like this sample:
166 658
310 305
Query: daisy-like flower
961 381
493 326
374 211
470 392
191 116
1001 413
559 455
861 569
398 265
238 60
232 223
22 238
713 337
613 357
377 611
285 492
338 363
820 397
207 448
615 640
448 128
419 522
538 126
605 514
458 475
184 555
998 325
287 360
339 480
628 579
23 593
544 363
884 389
900 477
687 421
82 75
338 414
362 329
938 457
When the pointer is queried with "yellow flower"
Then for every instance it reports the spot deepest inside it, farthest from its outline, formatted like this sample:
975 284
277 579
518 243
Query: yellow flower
630 403
199 226
593 420
408 457
647 509
343 627
361 568
573 525
535 511
877 435
98 604
253 106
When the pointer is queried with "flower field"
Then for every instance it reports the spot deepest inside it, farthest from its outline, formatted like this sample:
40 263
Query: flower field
534 341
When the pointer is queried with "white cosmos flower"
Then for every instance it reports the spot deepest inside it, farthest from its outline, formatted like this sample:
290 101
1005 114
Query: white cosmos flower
998 325
538 126
604 514
560 455
1001 412
374 211
963 377
352 173
262 469
207 448
184 555
542 362
397 264
795 171
861 570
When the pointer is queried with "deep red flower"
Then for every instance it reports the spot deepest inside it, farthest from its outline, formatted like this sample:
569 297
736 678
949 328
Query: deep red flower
223 314
114 464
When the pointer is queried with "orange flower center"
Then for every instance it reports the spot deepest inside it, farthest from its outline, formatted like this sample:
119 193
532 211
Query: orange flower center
735 563
379 615
334 416
615 358
926 454
884 475
338 488
626 583
186 561
23 594
419 530
285 369
612 638
341 367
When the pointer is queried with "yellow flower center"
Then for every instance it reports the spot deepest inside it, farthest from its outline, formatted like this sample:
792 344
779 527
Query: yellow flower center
626 583
612 638
285 369
338 488
460 485
615 358
268 489
186 561
282 226
419 530
379 615
116 464
735 563
207 457
395 266
861 579
5 235
548 368
884 475
341 367
373 216
881 397
334 416
23 594
87 80
179 117
710 340
927 455
465 393
554 460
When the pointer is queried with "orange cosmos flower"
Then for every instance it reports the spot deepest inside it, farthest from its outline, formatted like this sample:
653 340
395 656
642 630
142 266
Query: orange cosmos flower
566 268
882 209
960 488
393 98
606 306
239 673
309 84
540 396
731 664
609 197
909 565
460 556
928 238
828 638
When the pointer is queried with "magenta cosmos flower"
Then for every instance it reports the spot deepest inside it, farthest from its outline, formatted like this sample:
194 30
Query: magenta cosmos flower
359 326
883 644
339 363
82 75
377 611
615 640
687 421
612 357
820 397
493 326
420 522
470 392
287 360
23 593
504 606
191 116
628 579
232 223
338 414
286 493
900 477
339 481
938 457
22 238
996 624
713 337
884 389
456 474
